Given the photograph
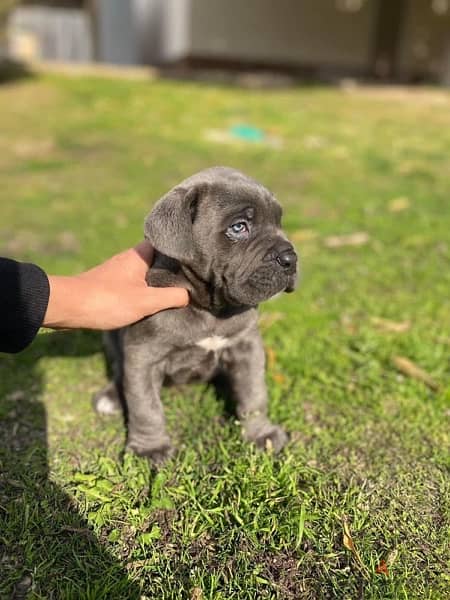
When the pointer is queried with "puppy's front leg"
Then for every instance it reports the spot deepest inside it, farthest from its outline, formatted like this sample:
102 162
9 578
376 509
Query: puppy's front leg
147 434
244 365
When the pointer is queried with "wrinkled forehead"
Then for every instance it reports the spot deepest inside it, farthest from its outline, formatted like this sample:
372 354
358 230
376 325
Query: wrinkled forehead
246 199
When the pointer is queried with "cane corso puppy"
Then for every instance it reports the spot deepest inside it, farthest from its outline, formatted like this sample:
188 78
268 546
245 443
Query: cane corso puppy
219 235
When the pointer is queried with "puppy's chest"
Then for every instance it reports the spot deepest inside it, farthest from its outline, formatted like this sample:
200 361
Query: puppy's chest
205 353
215 343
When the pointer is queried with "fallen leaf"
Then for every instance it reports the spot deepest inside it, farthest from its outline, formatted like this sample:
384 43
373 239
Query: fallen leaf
304 235
358 238
391 326
382 569
33 148
398 204
271 357
391 557
407 367
266 320
137 564
347 538
271 362
196 594
269 445
410 167
314 142
68 242
348 324
350 545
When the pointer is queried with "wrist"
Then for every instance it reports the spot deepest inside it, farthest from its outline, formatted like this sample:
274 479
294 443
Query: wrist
66 305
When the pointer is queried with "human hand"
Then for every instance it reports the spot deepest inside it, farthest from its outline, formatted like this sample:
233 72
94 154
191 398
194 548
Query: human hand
110 295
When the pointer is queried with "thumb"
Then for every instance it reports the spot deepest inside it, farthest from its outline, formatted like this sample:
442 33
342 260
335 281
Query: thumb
157 299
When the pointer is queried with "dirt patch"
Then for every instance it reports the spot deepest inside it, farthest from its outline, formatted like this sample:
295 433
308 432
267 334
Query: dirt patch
401 94
283 571
24 243
33 147
95 70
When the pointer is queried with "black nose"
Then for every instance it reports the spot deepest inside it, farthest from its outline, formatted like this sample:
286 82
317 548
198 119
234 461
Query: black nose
287 259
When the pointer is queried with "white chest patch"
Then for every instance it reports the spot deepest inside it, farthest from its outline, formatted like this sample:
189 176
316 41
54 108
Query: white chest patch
214 343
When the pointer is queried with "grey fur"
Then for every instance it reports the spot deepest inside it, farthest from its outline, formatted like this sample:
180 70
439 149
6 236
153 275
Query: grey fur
217 333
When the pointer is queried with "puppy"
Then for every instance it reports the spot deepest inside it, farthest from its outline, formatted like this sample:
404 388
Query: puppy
218 234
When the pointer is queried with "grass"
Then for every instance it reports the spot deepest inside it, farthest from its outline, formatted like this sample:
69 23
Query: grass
358 505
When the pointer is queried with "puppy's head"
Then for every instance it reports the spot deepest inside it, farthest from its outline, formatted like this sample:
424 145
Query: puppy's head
226 229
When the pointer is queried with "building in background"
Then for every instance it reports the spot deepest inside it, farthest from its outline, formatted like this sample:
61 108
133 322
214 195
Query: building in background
402 40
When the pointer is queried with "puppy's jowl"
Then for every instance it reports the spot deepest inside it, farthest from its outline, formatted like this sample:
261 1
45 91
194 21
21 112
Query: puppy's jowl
219 235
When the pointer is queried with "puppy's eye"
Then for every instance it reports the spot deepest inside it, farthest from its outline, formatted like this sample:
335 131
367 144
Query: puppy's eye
240 227
238 230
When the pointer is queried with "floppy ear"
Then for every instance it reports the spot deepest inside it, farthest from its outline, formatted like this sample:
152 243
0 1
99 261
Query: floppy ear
169 226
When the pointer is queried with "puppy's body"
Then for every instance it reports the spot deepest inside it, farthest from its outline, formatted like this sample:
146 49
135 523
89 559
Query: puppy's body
202 246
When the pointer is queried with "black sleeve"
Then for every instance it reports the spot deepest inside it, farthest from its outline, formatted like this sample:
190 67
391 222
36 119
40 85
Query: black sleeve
24 294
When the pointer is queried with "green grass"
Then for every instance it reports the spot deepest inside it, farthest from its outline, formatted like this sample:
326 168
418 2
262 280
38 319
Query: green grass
82 161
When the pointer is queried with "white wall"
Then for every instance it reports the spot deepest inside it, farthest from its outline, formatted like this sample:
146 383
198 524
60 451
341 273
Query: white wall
303 31
177 29
162 29
148 18
116 39
40 32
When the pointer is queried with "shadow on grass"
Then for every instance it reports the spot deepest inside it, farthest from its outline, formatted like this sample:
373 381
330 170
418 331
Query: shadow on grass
12 71
46 547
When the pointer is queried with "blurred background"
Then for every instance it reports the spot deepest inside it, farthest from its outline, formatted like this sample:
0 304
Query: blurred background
120 101
390 40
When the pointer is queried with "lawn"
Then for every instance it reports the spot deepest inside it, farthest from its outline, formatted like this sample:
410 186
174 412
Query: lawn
358 504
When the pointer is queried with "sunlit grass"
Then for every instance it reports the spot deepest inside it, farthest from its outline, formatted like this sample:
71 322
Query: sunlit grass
82 161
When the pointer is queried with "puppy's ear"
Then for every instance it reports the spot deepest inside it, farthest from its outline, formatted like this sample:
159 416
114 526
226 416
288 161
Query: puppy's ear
169 226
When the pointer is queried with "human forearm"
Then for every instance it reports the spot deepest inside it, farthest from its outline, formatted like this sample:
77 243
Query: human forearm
110 295
82 302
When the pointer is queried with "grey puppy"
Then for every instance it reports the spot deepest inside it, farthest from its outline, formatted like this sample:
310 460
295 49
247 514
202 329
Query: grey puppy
218 234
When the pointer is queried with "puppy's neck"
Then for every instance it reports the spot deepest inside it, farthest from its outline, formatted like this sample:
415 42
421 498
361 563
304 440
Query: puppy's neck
168 272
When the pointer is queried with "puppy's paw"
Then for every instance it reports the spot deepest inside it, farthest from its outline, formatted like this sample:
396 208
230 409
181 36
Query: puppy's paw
272 440
107 401
157 455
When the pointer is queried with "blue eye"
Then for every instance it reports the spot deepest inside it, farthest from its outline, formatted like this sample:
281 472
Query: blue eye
240 227
238 231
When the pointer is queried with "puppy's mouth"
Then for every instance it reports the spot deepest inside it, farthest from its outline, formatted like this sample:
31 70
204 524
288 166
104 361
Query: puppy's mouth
291 284
261 285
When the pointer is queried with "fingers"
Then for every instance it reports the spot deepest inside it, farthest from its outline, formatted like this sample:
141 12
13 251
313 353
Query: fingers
161 298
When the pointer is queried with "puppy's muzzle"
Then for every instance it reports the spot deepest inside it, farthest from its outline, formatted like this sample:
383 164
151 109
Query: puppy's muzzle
283 255
287 259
